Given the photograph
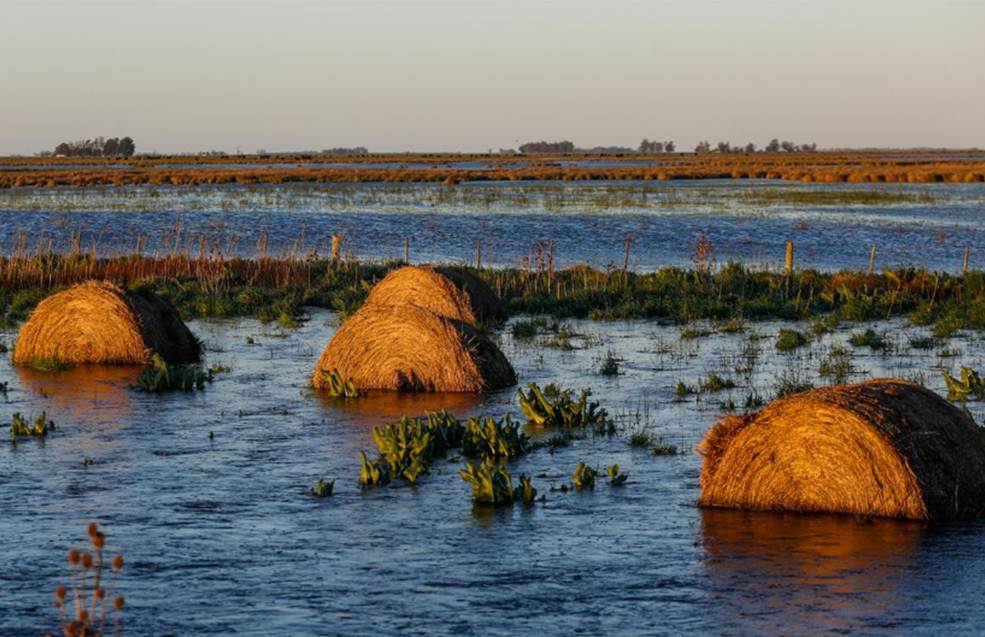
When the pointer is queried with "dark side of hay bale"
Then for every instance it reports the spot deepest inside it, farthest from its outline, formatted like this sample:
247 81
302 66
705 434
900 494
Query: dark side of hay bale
409 348
98 322
445 290
879 448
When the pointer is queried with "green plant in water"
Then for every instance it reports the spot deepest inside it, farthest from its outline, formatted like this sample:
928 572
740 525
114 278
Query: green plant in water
584 476
492 484
789 340
48 365
869 338
408 446
491 438
616 479
610 365
970 384
323 488
683 390
715 383
338 387
159 376
837 363
19 426
554 407
662 448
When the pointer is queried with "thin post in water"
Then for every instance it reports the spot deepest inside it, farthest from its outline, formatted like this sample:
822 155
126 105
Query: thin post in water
788 261
872 259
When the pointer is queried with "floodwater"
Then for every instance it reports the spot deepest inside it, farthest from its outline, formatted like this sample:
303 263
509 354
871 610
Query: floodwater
221 536
833 226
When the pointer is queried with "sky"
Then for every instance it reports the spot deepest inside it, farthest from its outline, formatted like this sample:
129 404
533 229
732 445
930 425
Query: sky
471 75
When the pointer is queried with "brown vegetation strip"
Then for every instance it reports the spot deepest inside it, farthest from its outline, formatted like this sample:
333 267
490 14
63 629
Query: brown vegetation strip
805 167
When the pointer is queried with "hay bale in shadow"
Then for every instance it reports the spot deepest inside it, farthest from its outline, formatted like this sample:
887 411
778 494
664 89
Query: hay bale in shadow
451 292
409 348
98 322
879 448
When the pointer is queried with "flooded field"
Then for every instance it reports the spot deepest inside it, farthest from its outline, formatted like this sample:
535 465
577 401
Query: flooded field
833 226
206 493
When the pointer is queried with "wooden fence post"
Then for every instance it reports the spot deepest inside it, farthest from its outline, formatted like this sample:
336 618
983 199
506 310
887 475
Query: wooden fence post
967 254
336 248
788 262
478 254
872 259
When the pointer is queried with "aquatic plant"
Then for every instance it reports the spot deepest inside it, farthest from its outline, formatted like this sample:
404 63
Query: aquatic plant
491 438
788 340
837 363
682 390
323 488
584 476
19 426
91 600
661 448
970 384
555 407
714 383
610 365
408 446
337 387
616 479
790 381
159 376
492 484
869 338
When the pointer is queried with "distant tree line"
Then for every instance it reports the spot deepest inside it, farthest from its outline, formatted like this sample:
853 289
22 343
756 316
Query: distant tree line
774 146
355 150
98 147
547 147
646 146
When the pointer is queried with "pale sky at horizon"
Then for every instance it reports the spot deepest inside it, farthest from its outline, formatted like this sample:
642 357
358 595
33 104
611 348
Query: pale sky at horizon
182 76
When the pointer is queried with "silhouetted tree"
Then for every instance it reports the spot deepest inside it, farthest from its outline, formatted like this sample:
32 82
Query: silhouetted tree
773 146
750 147
703 147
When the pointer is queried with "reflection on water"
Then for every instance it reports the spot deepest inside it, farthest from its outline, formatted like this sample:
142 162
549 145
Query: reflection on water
379 406
811 571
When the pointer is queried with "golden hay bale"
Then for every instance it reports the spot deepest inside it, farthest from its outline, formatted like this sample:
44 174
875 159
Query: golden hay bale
882 448
447 291
97 322
409 348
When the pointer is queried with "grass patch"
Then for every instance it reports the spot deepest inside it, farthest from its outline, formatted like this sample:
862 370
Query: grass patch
789 340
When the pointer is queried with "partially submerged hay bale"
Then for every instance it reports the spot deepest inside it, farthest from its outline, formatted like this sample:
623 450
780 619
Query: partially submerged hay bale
97 322
881 448
447 291
409 348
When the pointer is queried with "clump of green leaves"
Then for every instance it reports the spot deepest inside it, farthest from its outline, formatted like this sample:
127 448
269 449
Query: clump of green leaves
610 365
48 365
491 438
715 383
789 340
492 484
323 488
790 381
19 426
407 447
837 363
616 479
683 390
970 384
555 407
160 376
869 338
584 476
338 387
661 448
